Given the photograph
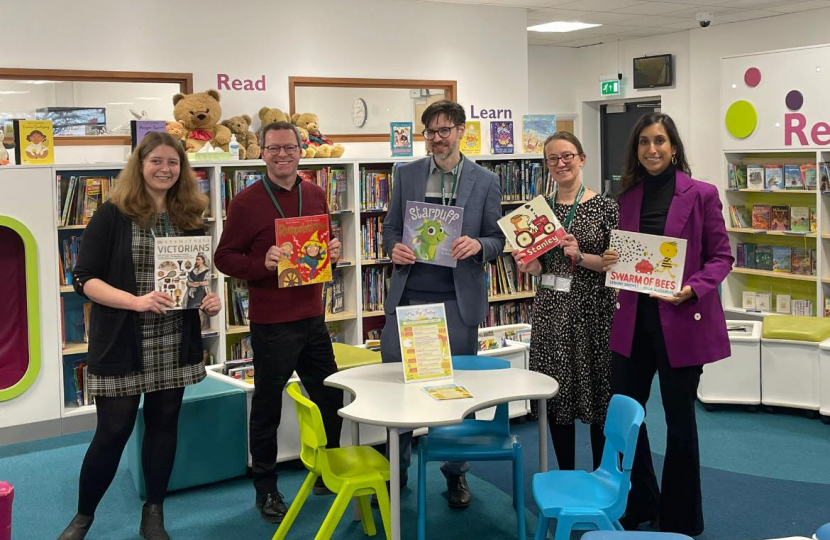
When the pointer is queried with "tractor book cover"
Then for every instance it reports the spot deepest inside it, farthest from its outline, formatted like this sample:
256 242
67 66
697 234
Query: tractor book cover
647 263
533 229
430 229
304 243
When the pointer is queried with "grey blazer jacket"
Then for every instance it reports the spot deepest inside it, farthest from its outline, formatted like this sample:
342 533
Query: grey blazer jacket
479 193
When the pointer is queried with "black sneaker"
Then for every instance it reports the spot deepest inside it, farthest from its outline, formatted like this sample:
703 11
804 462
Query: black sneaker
458 492
271 507
320 487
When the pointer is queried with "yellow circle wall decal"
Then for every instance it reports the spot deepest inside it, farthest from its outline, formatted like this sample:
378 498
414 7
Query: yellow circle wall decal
741 119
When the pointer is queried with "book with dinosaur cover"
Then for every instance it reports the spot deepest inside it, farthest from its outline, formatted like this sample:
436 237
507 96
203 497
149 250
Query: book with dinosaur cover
182 269
34 143
304 242
430 229
532 228
647 263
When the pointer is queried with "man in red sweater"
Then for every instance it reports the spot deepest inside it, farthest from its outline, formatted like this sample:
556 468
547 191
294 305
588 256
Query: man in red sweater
288 330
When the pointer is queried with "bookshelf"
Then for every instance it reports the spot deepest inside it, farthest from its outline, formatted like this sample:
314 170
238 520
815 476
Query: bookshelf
38 208
764 207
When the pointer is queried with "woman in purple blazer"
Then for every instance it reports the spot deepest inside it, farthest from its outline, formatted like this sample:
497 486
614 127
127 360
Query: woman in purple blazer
672 336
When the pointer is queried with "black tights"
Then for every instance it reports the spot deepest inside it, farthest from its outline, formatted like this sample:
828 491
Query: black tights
564 444
116 417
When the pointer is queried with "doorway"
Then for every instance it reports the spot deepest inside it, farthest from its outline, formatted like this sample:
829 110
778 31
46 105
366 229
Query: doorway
616 122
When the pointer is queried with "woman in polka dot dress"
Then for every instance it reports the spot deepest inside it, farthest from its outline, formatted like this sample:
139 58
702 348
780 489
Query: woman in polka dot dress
573 308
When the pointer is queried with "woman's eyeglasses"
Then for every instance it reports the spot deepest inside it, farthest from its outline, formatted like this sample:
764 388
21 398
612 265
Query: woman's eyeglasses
566 158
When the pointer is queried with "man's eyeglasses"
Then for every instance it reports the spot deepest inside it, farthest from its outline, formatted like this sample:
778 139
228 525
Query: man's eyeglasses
566 158
274 149
444 132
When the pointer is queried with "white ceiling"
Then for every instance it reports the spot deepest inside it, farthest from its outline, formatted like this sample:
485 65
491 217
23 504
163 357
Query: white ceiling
630 19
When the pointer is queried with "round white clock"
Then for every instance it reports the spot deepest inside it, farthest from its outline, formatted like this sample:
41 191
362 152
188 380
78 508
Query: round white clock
359 112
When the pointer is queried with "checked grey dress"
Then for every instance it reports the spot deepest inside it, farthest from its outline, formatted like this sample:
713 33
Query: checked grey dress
569 341
161 335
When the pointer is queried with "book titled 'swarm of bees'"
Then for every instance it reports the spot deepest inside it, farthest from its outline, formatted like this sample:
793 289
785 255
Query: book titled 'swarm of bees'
647 263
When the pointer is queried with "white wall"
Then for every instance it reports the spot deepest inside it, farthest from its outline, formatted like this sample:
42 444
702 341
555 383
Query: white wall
483 48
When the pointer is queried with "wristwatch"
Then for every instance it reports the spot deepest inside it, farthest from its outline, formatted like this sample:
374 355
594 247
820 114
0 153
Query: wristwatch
579 258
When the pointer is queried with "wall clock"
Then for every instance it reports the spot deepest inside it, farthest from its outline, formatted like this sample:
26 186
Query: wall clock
359 112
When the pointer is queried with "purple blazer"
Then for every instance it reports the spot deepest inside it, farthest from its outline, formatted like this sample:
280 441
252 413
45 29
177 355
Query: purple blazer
694 331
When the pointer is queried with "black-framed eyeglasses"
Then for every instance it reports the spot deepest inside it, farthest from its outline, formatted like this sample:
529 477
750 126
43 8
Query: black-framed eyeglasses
566 158
274 149
444 132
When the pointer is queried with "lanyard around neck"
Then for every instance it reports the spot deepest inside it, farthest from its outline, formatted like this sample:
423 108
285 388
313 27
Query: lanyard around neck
166 227
570 217
444 200
266 183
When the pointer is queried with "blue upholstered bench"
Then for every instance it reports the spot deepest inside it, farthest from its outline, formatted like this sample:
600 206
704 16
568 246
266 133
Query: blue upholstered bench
212 444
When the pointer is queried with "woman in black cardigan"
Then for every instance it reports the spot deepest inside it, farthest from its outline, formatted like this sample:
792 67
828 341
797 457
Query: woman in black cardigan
135 345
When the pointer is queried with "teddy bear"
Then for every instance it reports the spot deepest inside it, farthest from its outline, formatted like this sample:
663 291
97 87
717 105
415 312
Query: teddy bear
308 150
4 154
268 115
240 126
199 114
310 122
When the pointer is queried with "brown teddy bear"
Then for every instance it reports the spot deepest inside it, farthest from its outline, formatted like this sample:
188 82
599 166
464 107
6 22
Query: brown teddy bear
268 115
240 126
308 150
310 122
199 114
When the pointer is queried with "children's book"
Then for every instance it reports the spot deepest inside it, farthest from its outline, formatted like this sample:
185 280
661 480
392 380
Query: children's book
430 230
448 391
774 177
782 303
792 177
304 242
532 228
749 249
824 176
800 261
808 172
471 142
140 128
400 138
535 129
761 216
34 143
763 301
755 176
763 257
182 269
92 197
748 300
781 259
780 218
647 263
799 219
501 137
813 226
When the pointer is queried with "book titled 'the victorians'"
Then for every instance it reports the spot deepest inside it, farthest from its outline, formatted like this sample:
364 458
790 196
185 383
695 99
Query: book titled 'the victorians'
304 242
430 229
532 228
182 269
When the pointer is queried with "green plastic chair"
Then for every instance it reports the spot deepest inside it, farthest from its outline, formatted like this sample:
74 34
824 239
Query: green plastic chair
356 471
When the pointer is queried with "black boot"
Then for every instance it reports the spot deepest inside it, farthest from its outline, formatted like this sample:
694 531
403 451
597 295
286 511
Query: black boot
77 528
152 523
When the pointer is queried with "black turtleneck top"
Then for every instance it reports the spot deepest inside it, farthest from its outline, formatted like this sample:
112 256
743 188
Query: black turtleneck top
657 195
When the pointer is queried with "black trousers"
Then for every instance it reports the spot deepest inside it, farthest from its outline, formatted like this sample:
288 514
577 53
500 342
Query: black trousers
280 349
679 505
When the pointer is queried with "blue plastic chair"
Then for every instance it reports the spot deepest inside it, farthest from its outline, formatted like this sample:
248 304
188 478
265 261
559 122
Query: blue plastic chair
473 440
582 500
823 532
633 535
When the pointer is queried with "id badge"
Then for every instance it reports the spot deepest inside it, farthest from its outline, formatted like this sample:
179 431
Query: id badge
549 281
563 284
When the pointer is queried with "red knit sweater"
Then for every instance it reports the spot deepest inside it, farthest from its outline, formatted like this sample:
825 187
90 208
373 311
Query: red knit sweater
247 237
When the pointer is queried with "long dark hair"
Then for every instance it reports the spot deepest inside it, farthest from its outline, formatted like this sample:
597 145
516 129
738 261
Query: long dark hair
633 171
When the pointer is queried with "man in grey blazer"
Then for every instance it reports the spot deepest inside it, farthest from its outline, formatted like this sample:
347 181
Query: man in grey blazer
449 179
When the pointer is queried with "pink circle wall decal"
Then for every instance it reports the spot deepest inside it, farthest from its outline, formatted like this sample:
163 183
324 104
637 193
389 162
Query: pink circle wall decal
752 77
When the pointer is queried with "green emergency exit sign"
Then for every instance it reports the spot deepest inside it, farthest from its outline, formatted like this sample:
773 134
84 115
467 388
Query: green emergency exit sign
610 88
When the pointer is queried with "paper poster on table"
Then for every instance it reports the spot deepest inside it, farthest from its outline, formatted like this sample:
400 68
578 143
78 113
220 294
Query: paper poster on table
430 229
532 228
647 264
304 242
425 342
182 269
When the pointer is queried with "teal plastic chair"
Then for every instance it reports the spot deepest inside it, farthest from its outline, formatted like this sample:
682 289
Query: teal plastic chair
633 535
823 532
582 500
473 440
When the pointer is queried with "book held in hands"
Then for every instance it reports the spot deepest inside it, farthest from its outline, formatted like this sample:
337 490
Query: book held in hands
430 230
182 269
533 229
304 242
647 263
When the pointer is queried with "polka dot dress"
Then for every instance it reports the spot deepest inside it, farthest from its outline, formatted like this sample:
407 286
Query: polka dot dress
570 334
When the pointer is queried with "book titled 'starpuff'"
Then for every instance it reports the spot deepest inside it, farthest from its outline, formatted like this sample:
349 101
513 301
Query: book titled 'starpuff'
448 391
647 263
34 143
533 229
535 129
177 271
471 141
501 137
304 242
400 138
430 229
140 128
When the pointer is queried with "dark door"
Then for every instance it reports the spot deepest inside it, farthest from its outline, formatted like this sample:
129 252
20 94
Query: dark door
615 128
